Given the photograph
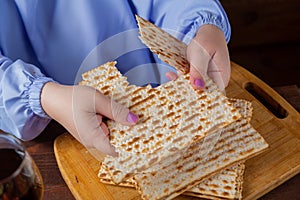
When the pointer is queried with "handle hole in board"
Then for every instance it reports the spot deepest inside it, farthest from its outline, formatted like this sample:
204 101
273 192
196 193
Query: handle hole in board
272 105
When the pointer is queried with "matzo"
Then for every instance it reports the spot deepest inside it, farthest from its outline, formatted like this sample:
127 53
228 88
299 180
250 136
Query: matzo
168 48
192 167
237 141
169 121
226 184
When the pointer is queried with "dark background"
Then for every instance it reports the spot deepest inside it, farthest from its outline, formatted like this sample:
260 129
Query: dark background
266 41
266 38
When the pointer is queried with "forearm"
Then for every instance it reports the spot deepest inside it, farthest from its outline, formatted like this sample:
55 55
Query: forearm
20 85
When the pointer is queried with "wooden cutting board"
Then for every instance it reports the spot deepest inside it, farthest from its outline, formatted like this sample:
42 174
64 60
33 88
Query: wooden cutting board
273 117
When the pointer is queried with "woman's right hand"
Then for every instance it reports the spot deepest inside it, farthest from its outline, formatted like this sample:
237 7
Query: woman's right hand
80 109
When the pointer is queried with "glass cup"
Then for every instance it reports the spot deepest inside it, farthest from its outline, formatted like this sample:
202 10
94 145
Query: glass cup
20 178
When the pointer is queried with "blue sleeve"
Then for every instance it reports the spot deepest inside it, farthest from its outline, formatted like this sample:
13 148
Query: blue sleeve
184 18
20 111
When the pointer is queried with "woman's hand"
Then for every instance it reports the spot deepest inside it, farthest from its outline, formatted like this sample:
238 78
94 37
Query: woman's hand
80 109
208 55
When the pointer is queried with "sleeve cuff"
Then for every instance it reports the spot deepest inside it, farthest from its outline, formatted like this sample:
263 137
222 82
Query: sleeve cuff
208 18
34 95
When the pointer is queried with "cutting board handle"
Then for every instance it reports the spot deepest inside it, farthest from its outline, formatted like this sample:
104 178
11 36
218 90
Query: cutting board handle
263 93
268 101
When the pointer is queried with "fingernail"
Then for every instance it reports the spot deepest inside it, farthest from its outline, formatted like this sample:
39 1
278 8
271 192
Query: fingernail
168 77
132 118
199 83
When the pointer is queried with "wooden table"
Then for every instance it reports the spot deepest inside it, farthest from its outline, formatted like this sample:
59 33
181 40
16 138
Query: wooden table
41 149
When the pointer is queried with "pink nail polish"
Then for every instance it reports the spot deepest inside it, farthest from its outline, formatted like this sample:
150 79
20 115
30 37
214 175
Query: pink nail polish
132 118
168 77
199 83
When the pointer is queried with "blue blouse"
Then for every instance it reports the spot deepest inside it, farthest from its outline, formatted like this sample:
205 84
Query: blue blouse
57 40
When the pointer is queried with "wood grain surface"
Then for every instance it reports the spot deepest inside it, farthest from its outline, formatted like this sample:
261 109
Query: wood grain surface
273 117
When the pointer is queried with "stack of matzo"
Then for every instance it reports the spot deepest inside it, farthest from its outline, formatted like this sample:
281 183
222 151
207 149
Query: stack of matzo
175 120
225 184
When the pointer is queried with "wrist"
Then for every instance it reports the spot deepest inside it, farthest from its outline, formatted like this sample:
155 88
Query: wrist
53 98
33 93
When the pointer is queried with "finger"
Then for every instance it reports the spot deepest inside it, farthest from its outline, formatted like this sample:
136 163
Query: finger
113 110
219 68
104 128
102 125
101 143
196 79
216 74
198 58
93 133
171 76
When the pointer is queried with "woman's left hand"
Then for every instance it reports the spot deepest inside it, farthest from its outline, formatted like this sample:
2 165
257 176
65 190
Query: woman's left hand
208 55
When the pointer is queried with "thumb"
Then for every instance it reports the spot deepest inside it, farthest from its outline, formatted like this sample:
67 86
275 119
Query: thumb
113 110
122 114
198 58
196 78
217 75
